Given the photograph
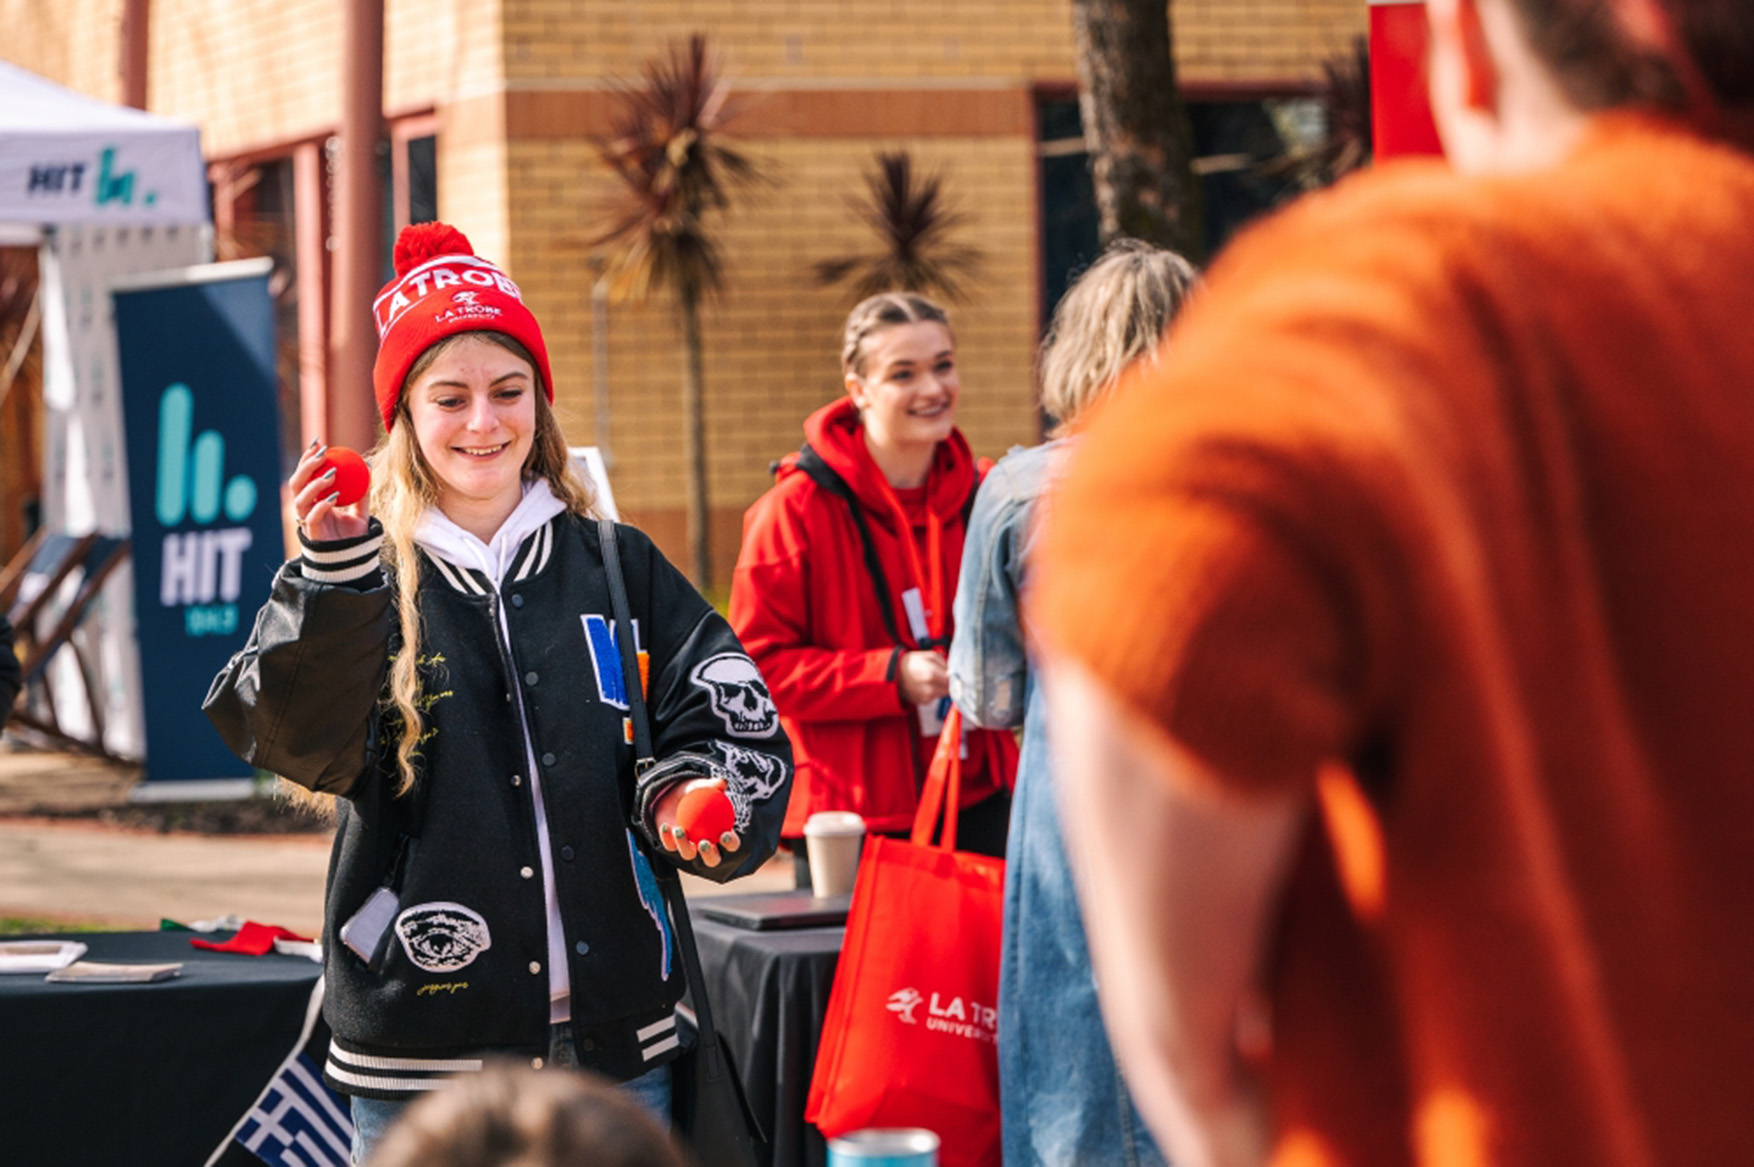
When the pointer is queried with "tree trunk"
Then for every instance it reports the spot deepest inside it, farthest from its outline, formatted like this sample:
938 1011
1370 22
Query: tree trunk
1136 125
700 552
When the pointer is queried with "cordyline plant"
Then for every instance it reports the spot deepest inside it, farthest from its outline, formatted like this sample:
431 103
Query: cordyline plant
674 166
913 222
1346 143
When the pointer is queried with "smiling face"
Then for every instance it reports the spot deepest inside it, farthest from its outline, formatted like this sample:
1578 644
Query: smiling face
474 415
907 394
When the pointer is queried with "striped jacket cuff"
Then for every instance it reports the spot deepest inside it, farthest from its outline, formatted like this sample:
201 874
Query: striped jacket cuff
350 563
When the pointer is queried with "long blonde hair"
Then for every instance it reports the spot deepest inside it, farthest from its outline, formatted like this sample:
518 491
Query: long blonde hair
404 487
1113 315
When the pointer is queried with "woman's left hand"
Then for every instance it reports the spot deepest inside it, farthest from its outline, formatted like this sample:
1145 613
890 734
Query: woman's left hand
699 811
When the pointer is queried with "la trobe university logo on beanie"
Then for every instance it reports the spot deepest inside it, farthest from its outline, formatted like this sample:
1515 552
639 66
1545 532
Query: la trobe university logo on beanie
442 288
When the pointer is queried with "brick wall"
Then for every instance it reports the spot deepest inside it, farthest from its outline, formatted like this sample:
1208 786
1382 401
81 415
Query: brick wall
76 43
908 40
519 84
773 336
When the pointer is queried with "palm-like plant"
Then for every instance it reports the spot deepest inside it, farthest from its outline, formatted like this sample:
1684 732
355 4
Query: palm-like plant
669 151
1346 141
913 221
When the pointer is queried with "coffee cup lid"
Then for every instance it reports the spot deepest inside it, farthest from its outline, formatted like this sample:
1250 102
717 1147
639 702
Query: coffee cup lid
834 822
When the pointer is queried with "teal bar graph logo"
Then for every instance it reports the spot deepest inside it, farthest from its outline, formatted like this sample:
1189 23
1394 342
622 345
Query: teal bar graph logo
205 565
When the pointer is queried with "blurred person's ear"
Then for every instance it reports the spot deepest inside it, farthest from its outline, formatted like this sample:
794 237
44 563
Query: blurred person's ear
1464 80
1496 105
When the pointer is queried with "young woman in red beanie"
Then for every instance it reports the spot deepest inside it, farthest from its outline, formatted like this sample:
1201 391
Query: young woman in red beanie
447 661
843 589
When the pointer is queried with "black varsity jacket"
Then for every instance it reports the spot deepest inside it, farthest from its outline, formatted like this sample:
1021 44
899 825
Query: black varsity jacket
461 973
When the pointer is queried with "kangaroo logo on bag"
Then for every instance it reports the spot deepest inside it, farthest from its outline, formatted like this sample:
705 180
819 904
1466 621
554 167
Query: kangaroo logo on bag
903 1002
442 937
739 695
947 1015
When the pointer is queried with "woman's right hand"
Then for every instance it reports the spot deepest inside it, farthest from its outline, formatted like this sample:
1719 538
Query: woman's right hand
922 676
313 501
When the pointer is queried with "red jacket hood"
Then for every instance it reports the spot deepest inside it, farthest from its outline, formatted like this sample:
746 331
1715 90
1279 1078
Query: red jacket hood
838 437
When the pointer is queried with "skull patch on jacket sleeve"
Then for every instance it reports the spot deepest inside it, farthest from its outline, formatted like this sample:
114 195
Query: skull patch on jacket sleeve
739 695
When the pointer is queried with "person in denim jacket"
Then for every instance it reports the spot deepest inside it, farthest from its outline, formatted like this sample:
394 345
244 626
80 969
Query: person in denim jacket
1061 1093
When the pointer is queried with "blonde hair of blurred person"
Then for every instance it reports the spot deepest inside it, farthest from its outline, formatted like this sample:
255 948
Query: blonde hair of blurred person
511 1116
1113 317
1116 313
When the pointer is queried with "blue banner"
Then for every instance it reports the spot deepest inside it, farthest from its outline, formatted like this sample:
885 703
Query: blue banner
200 410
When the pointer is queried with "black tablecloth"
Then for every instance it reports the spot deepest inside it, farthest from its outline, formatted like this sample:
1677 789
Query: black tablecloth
147 1074
156 1075
769 991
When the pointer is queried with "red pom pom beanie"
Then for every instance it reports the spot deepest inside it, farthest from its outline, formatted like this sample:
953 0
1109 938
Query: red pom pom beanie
442 288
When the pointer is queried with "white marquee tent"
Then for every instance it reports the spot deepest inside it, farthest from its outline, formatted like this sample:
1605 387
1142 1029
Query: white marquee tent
105 191
69 158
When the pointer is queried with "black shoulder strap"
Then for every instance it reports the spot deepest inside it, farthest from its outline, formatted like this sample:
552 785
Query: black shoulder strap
642 753
824 475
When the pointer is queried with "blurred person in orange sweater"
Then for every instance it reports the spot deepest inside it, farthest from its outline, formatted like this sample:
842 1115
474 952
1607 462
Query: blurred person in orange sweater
1405 613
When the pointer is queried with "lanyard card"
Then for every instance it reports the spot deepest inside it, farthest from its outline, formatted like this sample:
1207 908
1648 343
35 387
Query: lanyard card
915 607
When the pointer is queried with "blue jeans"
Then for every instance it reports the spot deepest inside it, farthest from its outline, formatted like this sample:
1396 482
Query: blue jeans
372 1117
1061 1094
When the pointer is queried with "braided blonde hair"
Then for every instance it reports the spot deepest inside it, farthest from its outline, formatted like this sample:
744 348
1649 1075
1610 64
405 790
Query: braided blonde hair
884 310
1115 314
404 487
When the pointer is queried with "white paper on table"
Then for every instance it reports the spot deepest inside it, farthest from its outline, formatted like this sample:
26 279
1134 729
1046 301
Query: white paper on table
38 956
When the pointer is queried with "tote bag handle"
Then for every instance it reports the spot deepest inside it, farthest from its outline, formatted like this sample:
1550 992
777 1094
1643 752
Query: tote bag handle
941 796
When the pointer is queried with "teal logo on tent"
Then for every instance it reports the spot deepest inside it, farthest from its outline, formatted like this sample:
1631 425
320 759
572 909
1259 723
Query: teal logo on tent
202 566
117 187
112 185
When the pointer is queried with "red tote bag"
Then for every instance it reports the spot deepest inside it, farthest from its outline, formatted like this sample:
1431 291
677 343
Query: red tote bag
909 1039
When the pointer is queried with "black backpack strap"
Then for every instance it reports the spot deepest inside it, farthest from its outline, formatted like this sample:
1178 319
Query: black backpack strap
825 476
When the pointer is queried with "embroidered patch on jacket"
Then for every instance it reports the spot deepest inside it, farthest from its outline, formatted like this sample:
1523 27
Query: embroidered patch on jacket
652 900
442 937
750 777
739 695
606 659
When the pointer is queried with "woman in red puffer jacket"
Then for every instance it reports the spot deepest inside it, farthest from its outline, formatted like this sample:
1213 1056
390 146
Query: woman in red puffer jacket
843 590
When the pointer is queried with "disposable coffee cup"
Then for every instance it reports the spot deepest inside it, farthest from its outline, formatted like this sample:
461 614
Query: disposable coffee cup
884 1147
831 840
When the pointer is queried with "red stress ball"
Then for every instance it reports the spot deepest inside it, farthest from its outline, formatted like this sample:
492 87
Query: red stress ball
705 814
352 477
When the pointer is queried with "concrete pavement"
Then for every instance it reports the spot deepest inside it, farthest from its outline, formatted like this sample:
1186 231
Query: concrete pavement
84 871
79 872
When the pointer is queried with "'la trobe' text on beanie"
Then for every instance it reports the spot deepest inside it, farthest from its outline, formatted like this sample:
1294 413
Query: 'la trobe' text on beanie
442 288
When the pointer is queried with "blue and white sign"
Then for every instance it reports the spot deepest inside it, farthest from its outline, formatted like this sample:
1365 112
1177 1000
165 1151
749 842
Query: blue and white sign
201 415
